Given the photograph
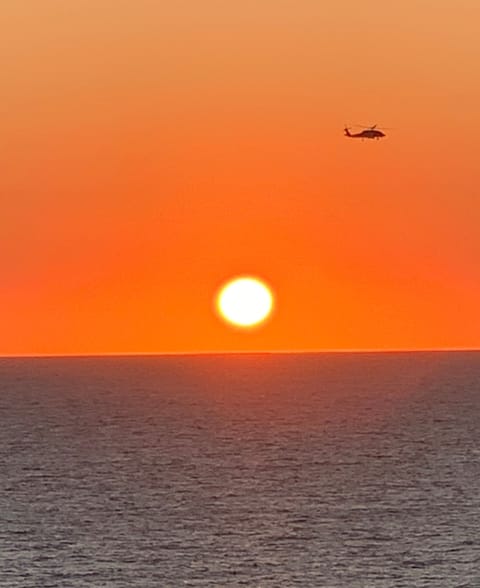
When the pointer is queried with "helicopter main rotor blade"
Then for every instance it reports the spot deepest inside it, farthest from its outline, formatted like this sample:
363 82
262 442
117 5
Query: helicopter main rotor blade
373 127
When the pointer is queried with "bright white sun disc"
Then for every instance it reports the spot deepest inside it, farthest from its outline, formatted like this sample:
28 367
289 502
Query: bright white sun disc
245 301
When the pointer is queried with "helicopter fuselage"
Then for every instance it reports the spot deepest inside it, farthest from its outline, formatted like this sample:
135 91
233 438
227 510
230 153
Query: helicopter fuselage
366 134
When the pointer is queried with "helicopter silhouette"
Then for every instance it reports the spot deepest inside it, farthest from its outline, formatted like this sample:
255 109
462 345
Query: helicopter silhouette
367 133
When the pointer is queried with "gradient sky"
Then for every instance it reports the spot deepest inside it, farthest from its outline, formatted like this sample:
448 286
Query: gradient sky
152 149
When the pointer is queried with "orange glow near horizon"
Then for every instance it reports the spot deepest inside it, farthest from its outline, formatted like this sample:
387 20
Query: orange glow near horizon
149 149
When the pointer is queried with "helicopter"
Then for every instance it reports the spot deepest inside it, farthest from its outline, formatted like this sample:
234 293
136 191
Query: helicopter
367 133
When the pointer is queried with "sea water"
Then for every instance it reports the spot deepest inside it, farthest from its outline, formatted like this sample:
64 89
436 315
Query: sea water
282 470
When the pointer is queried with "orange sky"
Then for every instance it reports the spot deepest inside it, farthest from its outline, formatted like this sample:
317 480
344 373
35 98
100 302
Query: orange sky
151 150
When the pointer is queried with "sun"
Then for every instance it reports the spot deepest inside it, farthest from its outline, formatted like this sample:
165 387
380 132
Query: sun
245 301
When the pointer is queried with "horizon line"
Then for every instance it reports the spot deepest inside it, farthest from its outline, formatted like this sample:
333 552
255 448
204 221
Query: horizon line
240 352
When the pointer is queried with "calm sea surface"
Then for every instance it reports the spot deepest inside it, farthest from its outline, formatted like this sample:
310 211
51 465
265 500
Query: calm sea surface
328 470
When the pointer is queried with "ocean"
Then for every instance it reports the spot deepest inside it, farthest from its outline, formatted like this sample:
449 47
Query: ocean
348 470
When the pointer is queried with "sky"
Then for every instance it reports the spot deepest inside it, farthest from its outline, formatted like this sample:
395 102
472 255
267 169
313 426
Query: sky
152 150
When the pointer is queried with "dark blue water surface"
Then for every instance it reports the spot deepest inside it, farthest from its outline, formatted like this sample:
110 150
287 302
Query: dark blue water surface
317 470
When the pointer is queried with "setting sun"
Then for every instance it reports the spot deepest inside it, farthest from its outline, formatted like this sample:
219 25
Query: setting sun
244 301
